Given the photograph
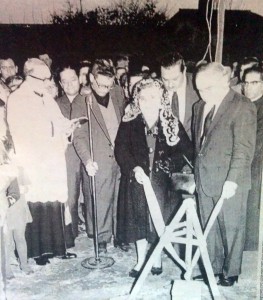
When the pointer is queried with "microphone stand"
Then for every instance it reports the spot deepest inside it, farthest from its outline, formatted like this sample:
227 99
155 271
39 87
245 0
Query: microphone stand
97 262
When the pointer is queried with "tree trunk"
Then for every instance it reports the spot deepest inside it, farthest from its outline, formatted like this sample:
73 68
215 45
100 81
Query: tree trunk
220 31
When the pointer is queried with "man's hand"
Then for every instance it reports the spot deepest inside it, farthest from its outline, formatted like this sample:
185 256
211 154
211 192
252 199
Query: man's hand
139 174
91 168
229 189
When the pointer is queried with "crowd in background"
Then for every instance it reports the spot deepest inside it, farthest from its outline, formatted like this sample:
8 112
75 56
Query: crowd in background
123 122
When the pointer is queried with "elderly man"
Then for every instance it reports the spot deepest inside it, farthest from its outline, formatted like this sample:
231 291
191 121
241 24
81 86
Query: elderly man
7 69
179 85
253 89
224 134
106 103
39 134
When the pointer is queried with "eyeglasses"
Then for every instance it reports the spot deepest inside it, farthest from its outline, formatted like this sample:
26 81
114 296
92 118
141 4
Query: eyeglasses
253 83
42 79
103 86
7 67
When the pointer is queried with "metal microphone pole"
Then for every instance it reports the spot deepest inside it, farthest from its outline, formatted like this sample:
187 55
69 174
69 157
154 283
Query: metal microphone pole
97 262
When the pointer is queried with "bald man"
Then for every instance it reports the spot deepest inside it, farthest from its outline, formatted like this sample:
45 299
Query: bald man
224 134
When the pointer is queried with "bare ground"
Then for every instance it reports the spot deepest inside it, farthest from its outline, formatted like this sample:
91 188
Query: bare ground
68 280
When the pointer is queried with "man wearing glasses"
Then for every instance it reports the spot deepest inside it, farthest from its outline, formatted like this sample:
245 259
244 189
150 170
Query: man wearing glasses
106 105
7 69
39 133
253 89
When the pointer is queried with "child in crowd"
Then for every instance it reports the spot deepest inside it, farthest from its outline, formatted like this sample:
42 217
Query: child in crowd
8 186
17 215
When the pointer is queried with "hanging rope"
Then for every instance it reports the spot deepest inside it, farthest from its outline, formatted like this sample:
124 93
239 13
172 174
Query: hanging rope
209 26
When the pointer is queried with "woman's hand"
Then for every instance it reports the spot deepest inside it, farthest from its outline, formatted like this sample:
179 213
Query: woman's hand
139 174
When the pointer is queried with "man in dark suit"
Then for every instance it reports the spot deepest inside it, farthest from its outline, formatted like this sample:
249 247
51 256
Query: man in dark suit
179 85
70 84
224 135
106 103
182 96
253 89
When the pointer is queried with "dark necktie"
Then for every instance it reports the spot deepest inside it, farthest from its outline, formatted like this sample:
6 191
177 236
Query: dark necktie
175 105
207 123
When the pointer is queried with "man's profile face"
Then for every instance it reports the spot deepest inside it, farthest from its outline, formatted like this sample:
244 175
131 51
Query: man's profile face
83 72
7 68
101 84
69 82
120 72
253 86
172 77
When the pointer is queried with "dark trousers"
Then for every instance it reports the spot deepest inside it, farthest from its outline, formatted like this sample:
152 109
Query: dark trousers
107 182
74 179
226 239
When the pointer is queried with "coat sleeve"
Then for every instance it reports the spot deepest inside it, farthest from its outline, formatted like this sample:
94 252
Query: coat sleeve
81 135
259 138
123 155
244 128
2 122
13 190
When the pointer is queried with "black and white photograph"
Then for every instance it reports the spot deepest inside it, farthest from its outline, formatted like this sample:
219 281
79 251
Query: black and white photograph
131 149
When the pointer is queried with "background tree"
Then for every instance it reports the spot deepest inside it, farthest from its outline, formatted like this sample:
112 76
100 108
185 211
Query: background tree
121 13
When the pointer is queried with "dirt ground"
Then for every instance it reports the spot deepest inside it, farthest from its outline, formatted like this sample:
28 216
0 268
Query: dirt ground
68 280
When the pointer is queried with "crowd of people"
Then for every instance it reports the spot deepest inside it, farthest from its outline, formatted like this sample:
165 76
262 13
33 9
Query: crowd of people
120 125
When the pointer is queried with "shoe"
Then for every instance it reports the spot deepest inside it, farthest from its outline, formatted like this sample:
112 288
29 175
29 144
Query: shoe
26 269
157 270
10 275
102 247
227 281
123 246
42 260
68 255
204 277
134 273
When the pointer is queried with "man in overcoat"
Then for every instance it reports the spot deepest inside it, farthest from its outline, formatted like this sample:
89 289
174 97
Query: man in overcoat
253 89
106 104
224 134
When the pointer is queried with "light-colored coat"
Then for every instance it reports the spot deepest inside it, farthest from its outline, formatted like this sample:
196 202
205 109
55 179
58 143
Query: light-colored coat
37 128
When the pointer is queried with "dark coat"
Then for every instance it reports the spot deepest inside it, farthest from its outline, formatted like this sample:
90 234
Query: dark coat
253 203
131 150
74 174
191 97
107 177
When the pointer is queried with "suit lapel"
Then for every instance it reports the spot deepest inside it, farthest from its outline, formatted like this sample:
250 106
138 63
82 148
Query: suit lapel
115 104
222 109
190 98
199 122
